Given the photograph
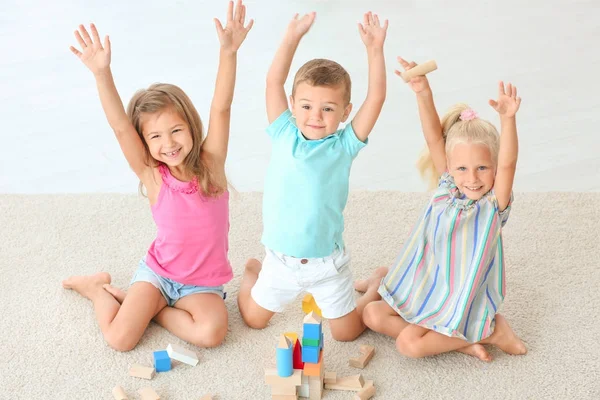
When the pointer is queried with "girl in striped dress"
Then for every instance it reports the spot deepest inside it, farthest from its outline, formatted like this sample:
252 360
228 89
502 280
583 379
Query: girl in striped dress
443 291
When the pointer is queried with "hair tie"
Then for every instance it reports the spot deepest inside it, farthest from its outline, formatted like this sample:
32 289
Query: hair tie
468 114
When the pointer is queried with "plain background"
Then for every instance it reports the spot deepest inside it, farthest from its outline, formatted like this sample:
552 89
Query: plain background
55 138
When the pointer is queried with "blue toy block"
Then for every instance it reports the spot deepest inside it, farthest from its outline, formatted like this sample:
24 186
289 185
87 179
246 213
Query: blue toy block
310 354
284 354
312 331
321 343
162 362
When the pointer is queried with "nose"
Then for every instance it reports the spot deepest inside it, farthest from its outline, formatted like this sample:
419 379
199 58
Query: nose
316 113
473 175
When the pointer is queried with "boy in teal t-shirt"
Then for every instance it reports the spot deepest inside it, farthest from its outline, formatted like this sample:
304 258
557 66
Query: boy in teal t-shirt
306 186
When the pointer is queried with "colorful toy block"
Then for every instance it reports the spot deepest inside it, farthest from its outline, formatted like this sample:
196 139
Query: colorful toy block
284 357
310 355
309 304
312 327
311 342
162 362
297 354
315 369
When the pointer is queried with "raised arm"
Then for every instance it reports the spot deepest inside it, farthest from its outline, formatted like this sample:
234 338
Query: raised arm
430 120
372 34
96 57
507 106
277 101
231 37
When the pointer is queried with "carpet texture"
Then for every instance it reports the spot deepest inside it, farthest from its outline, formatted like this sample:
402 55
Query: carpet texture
52 347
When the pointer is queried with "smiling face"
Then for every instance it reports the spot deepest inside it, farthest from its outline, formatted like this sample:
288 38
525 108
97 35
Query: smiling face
168 136
473 169
319 110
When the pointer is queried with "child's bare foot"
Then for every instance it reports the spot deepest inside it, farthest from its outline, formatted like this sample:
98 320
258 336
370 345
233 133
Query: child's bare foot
87 285
362 285
117 293
476 350
253 266
505 339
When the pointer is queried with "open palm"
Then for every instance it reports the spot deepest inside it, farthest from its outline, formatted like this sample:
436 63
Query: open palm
418 83
300 26
507 103
95 56
234 33
371 31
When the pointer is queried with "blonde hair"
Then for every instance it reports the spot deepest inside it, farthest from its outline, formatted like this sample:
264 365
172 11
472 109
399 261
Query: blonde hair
159 97
323 72
455 131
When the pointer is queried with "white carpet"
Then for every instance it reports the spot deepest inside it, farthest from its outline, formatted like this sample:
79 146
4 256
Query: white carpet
52 347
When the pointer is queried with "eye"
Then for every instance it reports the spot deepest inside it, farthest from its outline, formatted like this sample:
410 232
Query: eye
461 169
154 136
306 107
328 109
482 168
177 130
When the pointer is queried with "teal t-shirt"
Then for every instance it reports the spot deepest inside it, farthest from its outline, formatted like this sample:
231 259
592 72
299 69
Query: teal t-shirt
306 189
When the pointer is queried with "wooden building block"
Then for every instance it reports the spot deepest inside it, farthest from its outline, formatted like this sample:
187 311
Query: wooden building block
303 389
311 369
421 69
366 353
284 389
206 397
148 393
366 392
330 377
315 387
118 393
181 354
271 378
141 371
352 383
284 397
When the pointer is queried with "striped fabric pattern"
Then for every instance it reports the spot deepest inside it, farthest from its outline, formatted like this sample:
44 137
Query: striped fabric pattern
449 276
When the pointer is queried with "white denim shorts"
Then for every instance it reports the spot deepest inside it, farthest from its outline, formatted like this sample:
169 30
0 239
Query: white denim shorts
329 279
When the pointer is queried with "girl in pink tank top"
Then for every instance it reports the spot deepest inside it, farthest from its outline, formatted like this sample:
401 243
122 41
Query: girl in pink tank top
179 282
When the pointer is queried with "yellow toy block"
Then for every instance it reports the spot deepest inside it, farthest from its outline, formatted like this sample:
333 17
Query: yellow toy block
309 304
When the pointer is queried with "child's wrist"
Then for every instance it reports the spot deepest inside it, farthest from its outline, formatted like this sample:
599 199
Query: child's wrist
102 73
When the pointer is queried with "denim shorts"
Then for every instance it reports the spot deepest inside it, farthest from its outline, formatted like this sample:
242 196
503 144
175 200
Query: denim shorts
172 291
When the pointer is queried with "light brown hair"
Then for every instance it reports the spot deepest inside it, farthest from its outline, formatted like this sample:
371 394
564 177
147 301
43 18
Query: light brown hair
323 72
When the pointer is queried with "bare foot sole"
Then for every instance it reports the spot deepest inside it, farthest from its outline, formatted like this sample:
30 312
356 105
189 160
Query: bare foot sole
505 339
362 285
253 266
88 284
117 293
476 350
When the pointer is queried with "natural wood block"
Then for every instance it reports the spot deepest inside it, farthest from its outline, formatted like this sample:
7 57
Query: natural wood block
366 392
330 377
141 371
271 378
148 393
119 393
367 353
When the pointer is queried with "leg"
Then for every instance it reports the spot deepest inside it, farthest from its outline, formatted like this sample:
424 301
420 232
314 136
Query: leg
351 325
505 339
254 315
200 319
121 324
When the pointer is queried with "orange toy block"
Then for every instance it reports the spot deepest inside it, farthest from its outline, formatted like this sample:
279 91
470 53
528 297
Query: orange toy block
311 369
309 304
367 353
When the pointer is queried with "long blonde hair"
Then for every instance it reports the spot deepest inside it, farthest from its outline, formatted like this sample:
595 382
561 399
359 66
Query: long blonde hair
454 131
158 97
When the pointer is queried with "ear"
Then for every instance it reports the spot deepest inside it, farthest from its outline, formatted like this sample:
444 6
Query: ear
347 112
292 104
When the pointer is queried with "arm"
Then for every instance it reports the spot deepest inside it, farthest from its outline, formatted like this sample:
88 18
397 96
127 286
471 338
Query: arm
373 36
97 58
231 38
507 106
280 67
430 120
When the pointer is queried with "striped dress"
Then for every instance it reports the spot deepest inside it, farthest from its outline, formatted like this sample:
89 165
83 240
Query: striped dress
449 276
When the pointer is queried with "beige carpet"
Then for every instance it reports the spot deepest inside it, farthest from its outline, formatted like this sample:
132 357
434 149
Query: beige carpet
52 347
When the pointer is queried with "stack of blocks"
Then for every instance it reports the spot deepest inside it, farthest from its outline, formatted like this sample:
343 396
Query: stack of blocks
300 370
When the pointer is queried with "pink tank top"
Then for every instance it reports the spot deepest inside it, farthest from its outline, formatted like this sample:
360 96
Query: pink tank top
192 234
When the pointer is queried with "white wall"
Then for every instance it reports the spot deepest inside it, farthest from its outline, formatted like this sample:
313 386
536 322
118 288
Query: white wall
55 138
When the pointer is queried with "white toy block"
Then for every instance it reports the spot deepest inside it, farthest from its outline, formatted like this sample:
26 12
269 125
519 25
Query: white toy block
141 371
180 354
119 393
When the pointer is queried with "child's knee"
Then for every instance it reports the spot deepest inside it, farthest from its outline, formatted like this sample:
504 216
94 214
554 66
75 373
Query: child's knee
344 336
370 316
121 340
210 334
408 347
254 322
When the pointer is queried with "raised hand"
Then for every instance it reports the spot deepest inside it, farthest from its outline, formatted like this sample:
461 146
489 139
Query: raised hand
234 33
371 31
95 56
418 83
299 26
508 103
